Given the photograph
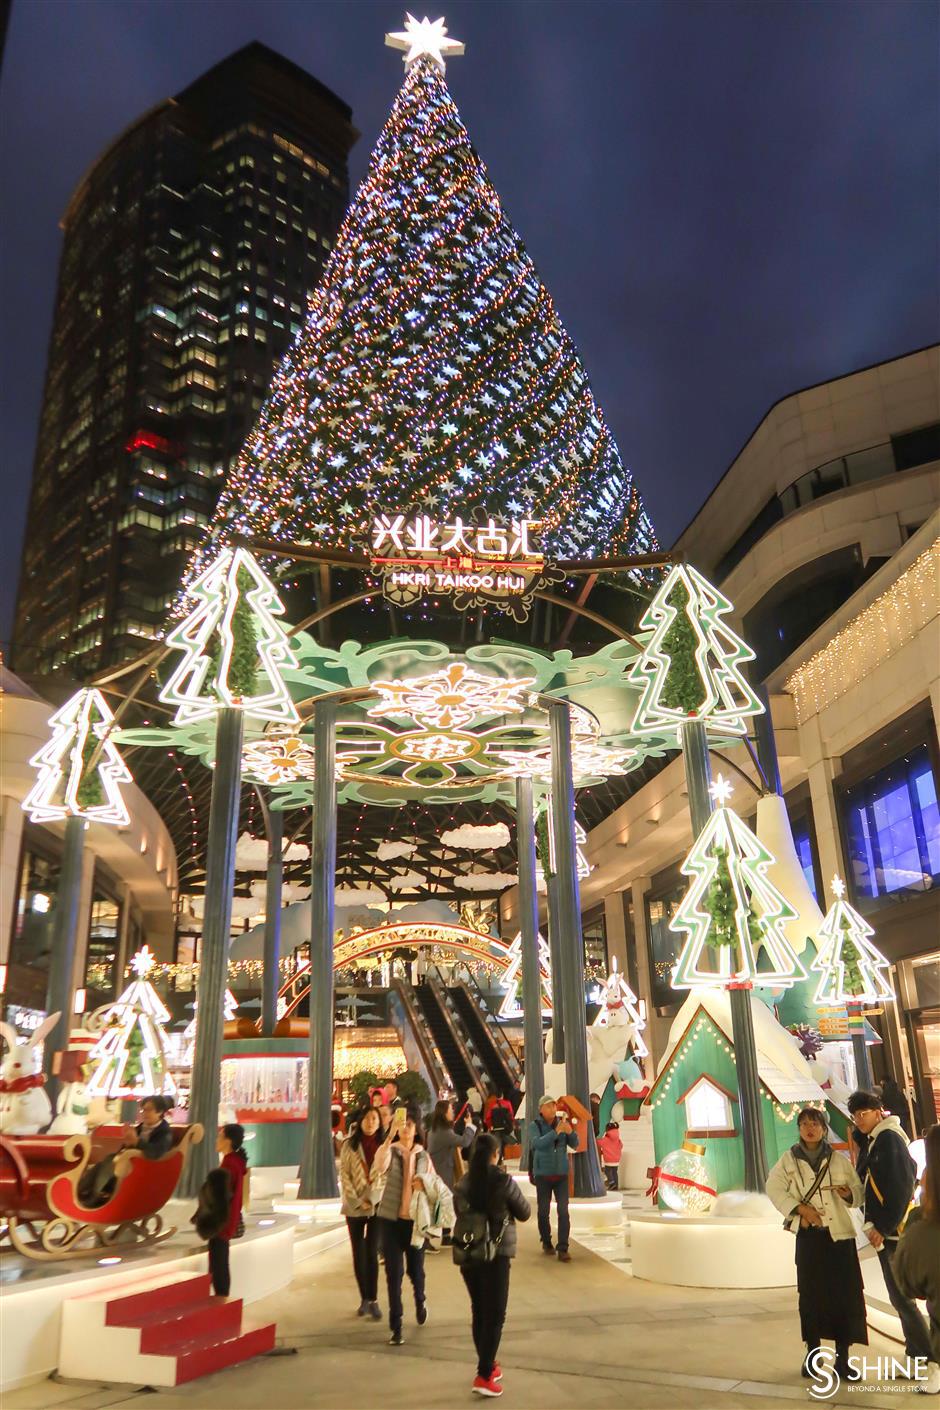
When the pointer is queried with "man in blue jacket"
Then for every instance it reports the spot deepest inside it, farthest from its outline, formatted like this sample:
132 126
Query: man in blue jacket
550 1139
887 1172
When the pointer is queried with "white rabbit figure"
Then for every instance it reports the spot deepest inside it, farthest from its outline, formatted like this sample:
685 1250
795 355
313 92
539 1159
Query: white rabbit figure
73 1104
25 1110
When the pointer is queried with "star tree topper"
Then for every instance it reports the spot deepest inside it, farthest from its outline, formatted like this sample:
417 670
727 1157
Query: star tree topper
732 911
849 965
425 37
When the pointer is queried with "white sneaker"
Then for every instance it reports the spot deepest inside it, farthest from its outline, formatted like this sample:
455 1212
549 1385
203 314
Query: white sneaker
931 1386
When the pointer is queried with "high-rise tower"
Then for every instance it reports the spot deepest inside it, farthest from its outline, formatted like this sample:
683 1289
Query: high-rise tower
190 249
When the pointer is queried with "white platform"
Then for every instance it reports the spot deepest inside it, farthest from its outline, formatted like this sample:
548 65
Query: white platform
32 1294
693 1251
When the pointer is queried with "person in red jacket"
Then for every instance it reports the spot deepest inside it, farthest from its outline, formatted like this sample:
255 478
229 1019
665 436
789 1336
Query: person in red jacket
219 1213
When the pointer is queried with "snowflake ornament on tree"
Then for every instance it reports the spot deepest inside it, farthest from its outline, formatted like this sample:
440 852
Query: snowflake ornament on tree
690 667
80 770
130 1058
433 370
852 970
733 915
233 648
512 978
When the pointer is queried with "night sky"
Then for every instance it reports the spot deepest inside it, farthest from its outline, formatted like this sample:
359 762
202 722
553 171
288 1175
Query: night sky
727 201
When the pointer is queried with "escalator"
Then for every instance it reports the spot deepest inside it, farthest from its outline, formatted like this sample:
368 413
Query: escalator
491 1046
450 1046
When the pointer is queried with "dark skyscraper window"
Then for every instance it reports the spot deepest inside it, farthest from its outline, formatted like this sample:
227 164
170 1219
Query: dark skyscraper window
190 249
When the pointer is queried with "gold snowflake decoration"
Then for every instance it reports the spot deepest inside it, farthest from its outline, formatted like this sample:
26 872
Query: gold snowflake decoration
451 698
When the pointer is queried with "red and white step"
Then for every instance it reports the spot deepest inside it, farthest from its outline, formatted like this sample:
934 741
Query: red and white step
162 1332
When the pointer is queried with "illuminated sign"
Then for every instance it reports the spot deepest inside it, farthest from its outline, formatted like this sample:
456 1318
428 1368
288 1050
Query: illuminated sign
476 563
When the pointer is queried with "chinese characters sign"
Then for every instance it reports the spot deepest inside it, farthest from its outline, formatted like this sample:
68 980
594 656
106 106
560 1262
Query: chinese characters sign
476 563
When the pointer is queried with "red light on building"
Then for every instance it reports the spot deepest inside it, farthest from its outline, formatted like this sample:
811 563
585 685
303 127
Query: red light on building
149 440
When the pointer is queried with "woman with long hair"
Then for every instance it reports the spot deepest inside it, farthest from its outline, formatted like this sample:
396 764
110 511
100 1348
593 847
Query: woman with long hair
488 1189
814 1187
916 1265
445 1147
356 1186
403 1160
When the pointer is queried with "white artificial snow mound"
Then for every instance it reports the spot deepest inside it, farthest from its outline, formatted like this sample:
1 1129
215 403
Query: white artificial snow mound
744 1204
785 871
781 1065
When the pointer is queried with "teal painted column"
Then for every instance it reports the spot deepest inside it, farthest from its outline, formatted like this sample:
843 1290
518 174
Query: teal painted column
213 951
588 1181
698 777
318 1167
531 980
60 986
271 975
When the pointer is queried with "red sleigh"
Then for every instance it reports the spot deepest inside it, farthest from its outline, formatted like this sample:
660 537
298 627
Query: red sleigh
40 1204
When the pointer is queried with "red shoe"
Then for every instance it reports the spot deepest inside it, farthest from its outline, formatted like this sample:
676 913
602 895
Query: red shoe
490 1387
497 1372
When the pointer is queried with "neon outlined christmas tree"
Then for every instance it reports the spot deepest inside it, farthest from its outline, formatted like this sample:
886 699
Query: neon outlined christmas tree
690 667
233 648
512 978
229 1012
732 913
130 1058
852 970
620 1005
69 781
433 372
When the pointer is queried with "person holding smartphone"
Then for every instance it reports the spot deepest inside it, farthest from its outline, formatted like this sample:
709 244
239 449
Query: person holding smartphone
550 1139
402 1160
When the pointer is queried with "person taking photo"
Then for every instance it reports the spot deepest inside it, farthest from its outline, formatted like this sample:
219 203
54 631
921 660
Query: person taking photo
550 1139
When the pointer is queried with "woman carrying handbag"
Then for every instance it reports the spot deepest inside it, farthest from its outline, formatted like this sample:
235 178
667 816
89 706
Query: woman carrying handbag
815 1188
488 1202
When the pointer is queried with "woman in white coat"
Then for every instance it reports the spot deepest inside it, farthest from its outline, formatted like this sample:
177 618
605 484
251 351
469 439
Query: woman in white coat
815 1187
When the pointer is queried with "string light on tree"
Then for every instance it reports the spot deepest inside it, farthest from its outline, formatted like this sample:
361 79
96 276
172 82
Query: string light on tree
432 366
732 913
130 1058
690 667
80 770
233 648
851 969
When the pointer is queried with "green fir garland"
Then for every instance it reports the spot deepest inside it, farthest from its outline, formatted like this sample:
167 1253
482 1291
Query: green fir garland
243 662
683 688
90 792
542 844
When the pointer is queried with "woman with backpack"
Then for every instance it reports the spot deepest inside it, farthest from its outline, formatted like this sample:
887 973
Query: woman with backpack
488 1203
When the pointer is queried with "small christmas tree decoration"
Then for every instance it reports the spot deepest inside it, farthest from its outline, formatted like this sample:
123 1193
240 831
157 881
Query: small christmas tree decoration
80 770
690 667
545 847
130 1058
851 969
619 1005
229 1012
233 648
733 914
512 978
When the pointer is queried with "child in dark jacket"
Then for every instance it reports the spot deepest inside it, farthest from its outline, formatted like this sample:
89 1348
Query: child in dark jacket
219 1212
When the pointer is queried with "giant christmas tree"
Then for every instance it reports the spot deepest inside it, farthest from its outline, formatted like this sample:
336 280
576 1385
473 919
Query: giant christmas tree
433 372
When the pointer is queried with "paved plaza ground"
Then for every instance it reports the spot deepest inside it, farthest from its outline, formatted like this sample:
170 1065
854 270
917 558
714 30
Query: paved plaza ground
587 1335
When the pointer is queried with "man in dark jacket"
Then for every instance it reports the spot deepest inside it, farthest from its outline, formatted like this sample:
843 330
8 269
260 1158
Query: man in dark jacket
550 1139
887 1172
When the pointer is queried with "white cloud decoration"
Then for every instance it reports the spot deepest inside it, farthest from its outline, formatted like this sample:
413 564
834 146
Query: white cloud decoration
407 881
476 837
486 881
251 853
390 851
360 896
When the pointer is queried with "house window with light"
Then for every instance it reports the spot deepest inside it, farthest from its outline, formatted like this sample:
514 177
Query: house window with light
708 1108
